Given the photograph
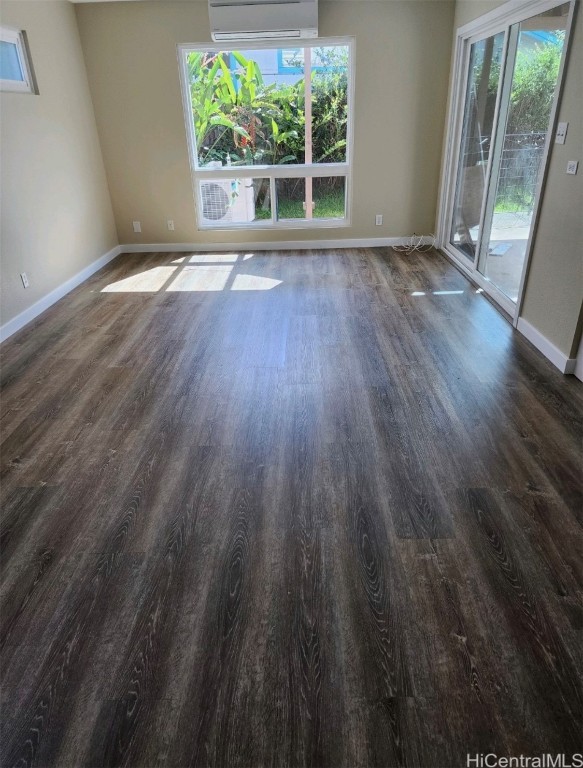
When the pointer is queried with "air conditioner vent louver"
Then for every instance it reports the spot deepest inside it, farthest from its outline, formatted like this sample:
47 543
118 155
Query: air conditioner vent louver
215 201
281 34
231 3
262 20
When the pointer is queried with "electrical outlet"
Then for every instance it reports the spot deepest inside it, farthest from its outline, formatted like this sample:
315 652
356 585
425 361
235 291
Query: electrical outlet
24 278
170 225
561 133
572 167
378 219
137 226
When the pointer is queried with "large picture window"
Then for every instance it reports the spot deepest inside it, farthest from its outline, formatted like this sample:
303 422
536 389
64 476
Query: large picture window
270 133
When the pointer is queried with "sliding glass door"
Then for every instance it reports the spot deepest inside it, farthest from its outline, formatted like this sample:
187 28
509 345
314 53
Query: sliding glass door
505 111
477 133
535 49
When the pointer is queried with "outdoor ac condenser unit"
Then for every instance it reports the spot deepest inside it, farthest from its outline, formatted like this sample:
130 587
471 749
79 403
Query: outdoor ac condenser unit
263 19
228 201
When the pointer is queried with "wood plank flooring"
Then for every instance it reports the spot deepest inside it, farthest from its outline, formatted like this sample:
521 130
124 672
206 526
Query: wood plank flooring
281 509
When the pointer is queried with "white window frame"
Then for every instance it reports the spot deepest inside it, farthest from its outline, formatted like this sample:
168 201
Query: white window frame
498 20
18 38
271 172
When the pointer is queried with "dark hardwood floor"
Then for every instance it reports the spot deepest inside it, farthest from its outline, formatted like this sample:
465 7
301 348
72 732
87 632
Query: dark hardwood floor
279 509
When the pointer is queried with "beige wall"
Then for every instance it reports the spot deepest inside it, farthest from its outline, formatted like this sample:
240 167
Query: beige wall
402 71
468 10
56 212
554 290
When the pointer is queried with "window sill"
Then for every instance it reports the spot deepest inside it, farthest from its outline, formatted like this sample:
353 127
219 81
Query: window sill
277 226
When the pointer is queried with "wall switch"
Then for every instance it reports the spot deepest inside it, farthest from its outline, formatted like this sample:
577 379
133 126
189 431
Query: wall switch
561 133
24 278
170 225
572 167
378 219
137 226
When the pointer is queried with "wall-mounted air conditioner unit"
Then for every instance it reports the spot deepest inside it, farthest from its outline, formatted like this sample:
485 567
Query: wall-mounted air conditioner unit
263 19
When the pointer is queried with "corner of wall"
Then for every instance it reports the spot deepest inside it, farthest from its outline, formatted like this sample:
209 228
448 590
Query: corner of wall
57 219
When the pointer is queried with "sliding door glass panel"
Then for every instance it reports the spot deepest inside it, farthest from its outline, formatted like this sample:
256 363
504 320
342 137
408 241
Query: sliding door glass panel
534 73
477 136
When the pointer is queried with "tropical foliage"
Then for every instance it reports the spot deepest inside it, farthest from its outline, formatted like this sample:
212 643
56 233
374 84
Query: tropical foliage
533 86
239 119
232 108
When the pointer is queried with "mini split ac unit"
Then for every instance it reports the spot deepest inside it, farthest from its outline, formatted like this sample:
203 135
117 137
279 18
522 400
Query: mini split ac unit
228 201
263 19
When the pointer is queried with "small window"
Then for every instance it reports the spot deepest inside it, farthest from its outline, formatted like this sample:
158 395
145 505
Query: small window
15 67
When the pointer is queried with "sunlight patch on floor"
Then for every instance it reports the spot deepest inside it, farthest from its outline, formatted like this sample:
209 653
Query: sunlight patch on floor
253 283
150 281
213 258
436 293
200 278
199 272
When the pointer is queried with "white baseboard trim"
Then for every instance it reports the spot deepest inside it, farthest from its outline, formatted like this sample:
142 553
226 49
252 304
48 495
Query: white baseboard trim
578 369
559 359
571 366
284 245
18 322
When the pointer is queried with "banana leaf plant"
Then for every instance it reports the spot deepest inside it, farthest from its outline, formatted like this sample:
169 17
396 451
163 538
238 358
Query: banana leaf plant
233 109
